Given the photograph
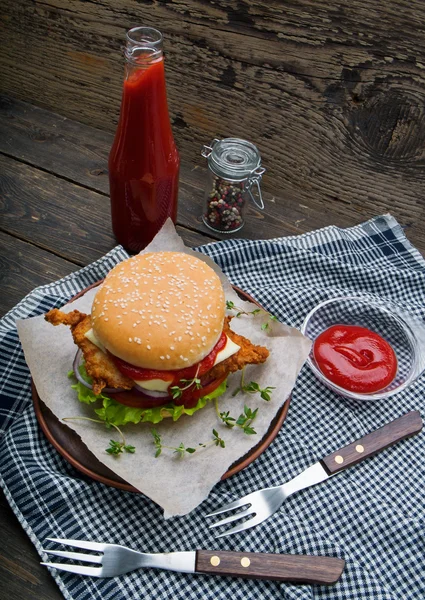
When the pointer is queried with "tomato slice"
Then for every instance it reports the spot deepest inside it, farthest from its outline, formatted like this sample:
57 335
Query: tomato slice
138 373
191 396
137 399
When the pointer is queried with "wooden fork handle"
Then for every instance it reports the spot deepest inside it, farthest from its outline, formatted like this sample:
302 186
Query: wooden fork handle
403 427
297 568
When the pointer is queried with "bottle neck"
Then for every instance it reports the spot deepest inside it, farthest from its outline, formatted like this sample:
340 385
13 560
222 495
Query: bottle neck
143 47
144 101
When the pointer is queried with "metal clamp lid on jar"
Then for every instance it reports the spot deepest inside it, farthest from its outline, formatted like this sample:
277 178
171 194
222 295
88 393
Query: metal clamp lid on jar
234 159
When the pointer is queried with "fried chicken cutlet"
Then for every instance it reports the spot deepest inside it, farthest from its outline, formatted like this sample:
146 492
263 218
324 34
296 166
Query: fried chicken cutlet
99 366
104 373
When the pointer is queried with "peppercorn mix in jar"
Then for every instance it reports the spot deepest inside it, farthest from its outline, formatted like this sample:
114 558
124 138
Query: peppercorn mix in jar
234 166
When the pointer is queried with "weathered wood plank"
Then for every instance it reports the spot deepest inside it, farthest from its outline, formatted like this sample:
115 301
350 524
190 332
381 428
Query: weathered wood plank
21 575
24 267
55 143
58 216
79 153
302 79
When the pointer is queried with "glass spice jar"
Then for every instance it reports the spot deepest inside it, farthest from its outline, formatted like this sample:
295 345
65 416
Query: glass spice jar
234 168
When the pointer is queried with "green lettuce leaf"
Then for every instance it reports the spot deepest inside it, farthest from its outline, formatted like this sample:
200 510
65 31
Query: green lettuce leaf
117 414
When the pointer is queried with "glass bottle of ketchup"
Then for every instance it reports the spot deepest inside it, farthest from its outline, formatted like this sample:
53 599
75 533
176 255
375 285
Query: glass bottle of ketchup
143 162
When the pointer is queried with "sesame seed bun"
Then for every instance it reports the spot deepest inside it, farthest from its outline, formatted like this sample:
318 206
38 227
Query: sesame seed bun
160 310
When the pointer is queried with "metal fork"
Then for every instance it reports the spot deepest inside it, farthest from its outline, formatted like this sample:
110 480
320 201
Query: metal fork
263 503
116 560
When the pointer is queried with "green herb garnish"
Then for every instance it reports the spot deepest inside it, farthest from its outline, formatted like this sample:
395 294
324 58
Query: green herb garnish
115 448
257 311
177 391
181 449
253 388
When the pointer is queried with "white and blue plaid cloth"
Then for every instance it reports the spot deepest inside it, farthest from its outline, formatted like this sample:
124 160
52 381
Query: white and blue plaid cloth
372 515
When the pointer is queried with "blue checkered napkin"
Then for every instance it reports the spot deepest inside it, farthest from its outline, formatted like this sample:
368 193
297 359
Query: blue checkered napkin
372 514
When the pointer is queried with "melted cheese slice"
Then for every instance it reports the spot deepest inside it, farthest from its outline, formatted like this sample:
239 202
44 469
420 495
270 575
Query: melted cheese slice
161 385
93 339
154 385
229 350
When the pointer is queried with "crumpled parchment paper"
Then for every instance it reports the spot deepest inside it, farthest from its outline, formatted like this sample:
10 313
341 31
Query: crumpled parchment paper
177 484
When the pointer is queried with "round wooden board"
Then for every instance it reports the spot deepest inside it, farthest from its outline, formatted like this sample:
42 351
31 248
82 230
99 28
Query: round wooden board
70 446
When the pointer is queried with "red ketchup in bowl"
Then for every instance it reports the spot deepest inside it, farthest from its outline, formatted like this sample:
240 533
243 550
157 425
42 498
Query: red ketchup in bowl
355 358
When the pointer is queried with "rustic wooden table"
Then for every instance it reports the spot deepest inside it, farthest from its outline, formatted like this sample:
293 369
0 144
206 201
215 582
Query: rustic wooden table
55 219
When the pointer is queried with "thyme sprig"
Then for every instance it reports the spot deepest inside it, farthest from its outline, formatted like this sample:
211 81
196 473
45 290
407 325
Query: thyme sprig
244 421
177 391
181 449
240 311
253 388
229 421
267 325
115 448
257 311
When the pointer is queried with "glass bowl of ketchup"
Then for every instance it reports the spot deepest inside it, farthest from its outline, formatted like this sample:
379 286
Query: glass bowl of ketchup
361 350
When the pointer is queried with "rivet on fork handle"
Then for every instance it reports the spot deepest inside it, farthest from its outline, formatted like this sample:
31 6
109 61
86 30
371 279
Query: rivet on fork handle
399 429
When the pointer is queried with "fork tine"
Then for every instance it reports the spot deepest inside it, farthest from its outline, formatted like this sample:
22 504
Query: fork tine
79 544
78 569
93 558
245 525
226 507
237 516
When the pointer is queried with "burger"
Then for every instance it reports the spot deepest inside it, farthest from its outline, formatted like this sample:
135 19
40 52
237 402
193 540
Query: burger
157 342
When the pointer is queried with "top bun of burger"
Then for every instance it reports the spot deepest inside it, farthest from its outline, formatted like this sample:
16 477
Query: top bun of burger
160 310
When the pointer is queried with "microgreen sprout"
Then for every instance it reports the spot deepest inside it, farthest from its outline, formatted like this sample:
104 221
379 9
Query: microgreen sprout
115 448
177 391
244 421
253 388
227 419
266 326
181 450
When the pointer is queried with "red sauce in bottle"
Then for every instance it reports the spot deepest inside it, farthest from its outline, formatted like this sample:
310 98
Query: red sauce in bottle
143 162
355 358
